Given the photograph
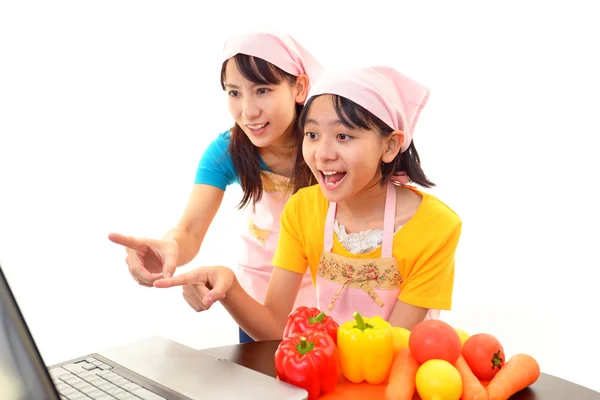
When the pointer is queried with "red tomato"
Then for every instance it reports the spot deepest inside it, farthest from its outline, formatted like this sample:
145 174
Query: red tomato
434 339
484 354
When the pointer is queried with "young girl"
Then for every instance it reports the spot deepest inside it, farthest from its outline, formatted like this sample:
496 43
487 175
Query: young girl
369 245
267 77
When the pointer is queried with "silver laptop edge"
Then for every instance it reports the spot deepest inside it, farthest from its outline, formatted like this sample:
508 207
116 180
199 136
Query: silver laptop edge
170 369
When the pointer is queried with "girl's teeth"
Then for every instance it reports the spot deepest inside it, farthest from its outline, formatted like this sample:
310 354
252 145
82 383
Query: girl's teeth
256 126
333 178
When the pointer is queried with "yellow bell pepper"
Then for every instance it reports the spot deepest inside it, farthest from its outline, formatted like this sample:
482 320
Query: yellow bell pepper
366 349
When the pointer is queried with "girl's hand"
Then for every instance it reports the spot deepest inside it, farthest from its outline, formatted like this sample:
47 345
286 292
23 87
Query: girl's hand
148 259
202 286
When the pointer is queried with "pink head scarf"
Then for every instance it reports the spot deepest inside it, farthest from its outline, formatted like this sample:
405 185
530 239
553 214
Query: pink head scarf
279 49
388 94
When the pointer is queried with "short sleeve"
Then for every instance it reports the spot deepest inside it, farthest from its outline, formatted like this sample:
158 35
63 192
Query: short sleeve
431 282
216 167
291 252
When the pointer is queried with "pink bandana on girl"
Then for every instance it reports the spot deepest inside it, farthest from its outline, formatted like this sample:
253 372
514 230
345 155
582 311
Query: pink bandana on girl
390 95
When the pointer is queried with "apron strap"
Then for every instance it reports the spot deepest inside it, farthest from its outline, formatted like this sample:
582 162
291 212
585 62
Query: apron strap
389 220
329 222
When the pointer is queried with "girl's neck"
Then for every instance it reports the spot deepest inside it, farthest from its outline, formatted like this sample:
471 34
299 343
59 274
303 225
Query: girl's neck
365 210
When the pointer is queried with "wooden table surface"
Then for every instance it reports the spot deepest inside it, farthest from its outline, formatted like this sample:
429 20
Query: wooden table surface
259 356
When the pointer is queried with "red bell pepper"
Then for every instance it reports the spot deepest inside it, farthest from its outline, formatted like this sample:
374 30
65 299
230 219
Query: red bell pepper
310 361
304 318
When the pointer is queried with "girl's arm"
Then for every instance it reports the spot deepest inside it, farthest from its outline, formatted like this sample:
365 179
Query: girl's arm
431 282
261 322
264 322
202 206
406 315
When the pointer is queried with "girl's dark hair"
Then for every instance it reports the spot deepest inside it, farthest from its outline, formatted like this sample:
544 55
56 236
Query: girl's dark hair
244 154
355 116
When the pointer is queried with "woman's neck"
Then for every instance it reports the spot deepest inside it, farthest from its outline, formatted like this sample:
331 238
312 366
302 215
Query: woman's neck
280 156
280 151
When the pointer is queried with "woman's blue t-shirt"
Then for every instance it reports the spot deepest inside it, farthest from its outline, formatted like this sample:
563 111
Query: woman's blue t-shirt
216 167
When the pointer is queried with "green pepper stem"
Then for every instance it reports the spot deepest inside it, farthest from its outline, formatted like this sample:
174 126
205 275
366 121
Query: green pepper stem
304 346
317 319
360 322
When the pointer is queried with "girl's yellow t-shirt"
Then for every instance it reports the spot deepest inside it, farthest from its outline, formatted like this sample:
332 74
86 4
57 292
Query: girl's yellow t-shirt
424 248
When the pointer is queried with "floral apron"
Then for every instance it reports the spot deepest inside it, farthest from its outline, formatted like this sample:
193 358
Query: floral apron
368 285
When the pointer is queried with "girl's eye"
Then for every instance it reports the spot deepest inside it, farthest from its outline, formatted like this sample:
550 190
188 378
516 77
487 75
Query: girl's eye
262 90
344 136
310 135
233 93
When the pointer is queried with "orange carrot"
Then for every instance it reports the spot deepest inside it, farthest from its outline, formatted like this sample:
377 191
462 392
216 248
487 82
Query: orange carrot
484 383
472 388
519 372
401 380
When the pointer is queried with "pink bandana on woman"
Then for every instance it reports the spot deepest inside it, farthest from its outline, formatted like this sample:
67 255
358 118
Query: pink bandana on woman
279 49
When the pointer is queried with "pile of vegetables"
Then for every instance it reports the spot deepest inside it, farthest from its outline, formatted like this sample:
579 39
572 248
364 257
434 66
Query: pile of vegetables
444 363
434 361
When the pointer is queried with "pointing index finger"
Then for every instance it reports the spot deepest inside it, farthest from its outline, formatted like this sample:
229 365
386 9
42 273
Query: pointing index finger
188 278
127 241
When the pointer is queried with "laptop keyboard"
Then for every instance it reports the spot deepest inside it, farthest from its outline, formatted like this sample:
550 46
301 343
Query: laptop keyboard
94 379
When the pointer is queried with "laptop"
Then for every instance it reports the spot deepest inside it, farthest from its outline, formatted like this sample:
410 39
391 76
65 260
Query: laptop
151 369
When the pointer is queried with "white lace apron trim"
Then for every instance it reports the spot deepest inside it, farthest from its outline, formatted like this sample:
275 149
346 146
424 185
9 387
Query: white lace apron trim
359 242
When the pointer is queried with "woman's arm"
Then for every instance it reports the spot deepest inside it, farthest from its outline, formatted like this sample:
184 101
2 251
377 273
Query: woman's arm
150 259
202 206
214 173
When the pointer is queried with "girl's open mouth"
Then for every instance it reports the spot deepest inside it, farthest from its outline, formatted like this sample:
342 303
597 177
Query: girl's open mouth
332 179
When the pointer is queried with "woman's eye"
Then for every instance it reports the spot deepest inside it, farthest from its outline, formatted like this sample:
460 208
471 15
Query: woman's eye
344 136
233 93
311 135
262 90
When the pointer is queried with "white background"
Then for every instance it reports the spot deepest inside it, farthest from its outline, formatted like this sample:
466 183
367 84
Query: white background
106 108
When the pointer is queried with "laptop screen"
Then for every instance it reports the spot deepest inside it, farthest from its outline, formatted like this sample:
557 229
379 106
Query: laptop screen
23 374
